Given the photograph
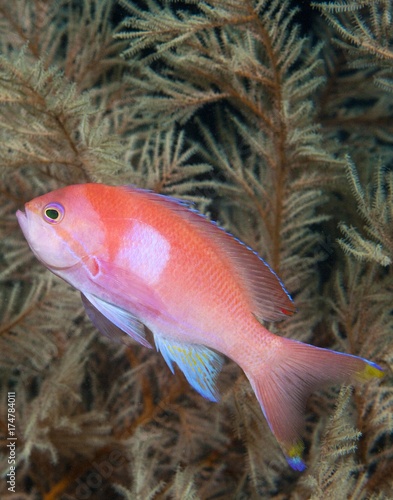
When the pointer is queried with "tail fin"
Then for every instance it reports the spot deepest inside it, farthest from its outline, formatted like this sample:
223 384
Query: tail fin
283 386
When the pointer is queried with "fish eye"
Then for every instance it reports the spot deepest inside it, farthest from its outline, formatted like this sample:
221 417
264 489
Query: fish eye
53 213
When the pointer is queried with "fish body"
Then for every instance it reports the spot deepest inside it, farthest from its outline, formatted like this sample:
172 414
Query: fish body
144 259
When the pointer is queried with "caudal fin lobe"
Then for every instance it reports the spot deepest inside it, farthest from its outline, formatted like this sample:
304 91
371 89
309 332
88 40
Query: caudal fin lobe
284 385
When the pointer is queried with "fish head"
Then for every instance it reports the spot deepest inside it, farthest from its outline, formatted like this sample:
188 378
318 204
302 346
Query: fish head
59 228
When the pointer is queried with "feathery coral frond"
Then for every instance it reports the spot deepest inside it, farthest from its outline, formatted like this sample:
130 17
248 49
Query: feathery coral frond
247 109
376 210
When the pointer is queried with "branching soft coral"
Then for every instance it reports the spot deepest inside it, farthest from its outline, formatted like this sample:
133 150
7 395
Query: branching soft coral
376 210
225 103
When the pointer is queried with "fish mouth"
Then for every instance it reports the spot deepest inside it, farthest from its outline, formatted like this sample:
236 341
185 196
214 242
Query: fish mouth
22 219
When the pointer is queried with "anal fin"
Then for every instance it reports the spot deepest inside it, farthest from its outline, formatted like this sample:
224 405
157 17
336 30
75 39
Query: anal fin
199 364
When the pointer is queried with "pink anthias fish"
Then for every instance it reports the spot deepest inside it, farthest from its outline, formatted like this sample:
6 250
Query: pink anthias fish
140 258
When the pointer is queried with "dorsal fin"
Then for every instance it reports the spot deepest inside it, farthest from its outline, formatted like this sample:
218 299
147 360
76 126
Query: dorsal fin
269 299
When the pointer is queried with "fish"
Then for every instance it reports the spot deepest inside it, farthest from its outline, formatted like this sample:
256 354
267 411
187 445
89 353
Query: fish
145 262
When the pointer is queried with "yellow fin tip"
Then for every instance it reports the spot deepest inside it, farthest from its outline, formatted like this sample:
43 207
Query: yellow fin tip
371 371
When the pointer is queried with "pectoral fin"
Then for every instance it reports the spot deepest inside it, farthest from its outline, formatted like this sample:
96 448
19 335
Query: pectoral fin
123 282
199 364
